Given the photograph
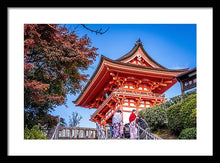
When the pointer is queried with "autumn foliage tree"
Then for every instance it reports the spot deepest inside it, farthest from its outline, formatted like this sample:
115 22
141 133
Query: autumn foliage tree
53 60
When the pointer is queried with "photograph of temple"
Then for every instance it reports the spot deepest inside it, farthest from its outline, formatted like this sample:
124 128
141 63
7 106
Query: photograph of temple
124 95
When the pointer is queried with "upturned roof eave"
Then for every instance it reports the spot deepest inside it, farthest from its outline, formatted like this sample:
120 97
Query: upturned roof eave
90 80
185 73
103 58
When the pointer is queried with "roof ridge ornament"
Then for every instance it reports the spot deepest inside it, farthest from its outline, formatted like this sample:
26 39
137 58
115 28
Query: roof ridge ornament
138 41
139 58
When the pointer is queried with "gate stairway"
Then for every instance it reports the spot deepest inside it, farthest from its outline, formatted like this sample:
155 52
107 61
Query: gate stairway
59 132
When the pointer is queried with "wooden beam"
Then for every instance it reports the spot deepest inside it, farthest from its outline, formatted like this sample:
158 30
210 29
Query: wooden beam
101 115
162 84
168 81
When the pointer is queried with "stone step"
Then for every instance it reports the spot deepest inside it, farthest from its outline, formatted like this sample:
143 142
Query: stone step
68 138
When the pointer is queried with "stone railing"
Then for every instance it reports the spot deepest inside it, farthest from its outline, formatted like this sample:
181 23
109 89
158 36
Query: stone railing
100 132
93 133
146 134
77 133
144 130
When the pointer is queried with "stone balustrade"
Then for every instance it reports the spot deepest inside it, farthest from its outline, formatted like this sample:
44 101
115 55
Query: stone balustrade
77 133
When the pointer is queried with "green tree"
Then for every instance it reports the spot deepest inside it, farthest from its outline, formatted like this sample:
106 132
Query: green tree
182 115
155 116
188 112
174 120
175 100
33 133
188 133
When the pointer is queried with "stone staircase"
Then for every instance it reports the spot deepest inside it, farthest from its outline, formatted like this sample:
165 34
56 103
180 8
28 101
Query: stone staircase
59 132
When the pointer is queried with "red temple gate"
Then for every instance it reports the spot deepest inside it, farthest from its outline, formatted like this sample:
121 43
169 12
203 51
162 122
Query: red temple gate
133 81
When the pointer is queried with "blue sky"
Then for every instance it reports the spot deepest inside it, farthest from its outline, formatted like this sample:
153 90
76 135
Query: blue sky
171 45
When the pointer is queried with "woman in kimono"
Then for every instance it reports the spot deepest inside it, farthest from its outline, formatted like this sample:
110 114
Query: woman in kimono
133 128
117 123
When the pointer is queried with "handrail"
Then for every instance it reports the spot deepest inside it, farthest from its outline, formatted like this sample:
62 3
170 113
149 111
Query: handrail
149 135
77 133
55 131
102 136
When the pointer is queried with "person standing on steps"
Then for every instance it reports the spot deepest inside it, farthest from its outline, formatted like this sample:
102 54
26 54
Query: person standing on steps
117 123
110 130
126 131
133 128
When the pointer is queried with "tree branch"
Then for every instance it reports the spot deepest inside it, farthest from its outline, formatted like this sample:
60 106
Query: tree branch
96 31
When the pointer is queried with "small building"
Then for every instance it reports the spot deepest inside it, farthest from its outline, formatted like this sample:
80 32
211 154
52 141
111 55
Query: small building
133 81
187 80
